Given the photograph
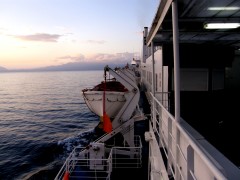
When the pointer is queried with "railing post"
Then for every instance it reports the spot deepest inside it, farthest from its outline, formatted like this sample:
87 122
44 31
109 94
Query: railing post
153 88
190 162
176 60
170 151
177 154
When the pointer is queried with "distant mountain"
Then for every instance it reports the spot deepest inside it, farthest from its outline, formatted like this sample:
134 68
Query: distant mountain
2 69
77 66
73 66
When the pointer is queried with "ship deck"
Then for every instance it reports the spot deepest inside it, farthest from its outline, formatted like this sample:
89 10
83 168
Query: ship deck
140 127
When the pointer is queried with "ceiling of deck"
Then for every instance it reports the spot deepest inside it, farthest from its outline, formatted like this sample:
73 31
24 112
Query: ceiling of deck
193 14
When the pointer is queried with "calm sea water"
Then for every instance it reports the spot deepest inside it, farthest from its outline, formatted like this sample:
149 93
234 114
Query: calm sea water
42 117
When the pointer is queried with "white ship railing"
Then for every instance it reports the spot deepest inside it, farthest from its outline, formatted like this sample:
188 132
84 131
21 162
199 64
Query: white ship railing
164 98
127 157
80 166
184 156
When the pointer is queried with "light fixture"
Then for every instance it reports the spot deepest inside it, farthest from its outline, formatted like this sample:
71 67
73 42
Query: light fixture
221 25
233 8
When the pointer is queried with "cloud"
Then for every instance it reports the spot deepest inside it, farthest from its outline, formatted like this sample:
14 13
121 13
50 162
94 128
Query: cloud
118 57
2 30
68 58
140 33
39 37
96 41
103 57
97 58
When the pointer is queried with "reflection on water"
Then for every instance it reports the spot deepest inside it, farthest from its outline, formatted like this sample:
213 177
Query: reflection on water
42 116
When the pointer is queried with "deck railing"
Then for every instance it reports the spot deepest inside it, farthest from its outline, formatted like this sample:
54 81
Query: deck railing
79 165
127 157
184 156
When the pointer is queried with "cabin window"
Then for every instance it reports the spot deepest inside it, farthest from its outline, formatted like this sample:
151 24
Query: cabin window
160 82
144 73
150 77
156 82
192 79
218 76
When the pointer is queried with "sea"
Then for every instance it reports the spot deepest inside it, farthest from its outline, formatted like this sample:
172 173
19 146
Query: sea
43 116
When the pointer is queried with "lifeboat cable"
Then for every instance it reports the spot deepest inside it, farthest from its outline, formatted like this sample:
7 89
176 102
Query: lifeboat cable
107 124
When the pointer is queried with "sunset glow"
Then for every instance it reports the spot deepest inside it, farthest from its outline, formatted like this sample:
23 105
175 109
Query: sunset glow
46 33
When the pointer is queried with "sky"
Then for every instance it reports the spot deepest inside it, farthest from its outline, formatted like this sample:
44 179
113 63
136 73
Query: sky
40 33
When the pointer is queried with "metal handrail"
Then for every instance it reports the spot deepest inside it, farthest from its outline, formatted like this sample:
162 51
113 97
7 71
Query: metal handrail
213 166
79 157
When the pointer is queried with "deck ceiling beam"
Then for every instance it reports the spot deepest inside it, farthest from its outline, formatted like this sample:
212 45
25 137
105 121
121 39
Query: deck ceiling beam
161 13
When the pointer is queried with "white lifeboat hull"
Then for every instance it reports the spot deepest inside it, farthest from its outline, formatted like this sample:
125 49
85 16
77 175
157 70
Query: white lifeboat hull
113 102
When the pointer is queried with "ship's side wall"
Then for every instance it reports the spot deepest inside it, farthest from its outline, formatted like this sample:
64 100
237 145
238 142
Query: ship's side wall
202 88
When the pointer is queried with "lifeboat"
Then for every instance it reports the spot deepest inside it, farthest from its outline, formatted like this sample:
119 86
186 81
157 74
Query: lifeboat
115 97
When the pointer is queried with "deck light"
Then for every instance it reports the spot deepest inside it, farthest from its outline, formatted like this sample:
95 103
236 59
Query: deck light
221 25
233 8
